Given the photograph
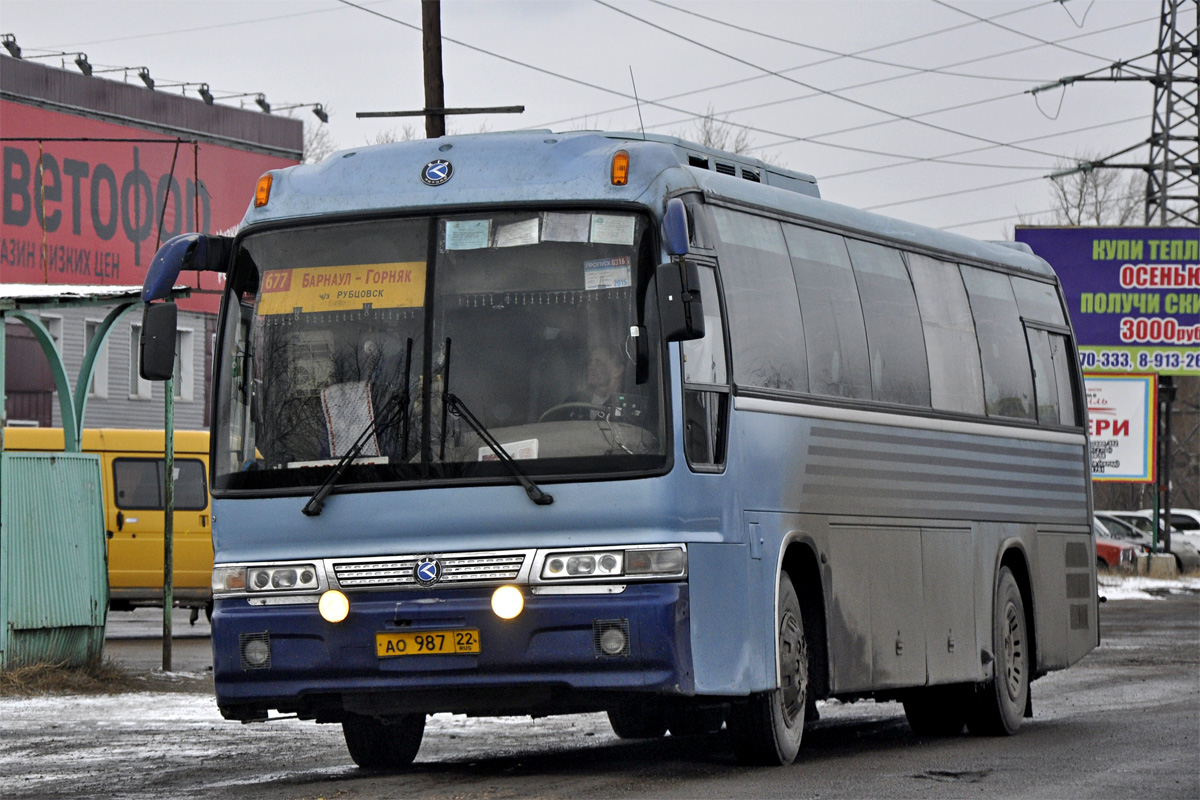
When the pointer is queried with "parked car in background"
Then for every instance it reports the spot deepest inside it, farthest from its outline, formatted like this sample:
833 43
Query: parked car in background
1187 557
1113 554
1185 523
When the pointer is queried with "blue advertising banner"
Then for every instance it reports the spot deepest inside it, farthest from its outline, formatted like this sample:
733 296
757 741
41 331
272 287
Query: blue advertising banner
1133 294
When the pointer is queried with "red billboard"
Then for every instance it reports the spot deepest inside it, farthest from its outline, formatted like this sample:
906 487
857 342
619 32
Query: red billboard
80 208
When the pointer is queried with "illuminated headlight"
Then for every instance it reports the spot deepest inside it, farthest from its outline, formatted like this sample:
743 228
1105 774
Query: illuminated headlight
281 578
653 562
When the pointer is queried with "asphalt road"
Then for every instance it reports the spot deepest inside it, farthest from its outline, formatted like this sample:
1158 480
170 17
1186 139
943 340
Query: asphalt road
1122 723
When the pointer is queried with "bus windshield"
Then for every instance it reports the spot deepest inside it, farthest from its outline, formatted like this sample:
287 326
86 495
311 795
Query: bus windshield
341 331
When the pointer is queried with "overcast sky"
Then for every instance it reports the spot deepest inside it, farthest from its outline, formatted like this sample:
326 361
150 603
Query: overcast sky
913 108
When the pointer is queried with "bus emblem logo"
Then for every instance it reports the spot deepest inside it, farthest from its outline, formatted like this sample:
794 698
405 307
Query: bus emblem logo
427 573
437 172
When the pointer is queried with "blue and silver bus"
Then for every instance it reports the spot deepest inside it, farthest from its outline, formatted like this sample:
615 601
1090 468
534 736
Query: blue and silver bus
548 423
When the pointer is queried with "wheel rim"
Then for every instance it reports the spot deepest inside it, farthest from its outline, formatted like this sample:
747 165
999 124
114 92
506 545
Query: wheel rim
1014 651
792 691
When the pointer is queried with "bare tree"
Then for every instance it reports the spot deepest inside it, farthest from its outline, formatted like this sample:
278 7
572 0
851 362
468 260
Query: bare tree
317 141
719 134
1095 195
405 134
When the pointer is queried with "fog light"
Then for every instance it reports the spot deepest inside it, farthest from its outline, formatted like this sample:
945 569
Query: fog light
334 606
612 641
255 650
507 602
610 637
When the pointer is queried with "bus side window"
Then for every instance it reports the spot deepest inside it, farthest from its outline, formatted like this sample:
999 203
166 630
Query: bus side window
1007 381
955 375
706 383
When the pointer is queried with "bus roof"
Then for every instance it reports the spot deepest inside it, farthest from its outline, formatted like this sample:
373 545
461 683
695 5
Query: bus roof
546 167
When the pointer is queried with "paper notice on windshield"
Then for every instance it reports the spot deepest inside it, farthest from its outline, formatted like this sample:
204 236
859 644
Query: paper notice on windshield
612 229
560 227
524 449
347 287
518 233
468 234
606 273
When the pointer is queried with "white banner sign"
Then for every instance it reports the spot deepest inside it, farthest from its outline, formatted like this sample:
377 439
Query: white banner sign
1121 425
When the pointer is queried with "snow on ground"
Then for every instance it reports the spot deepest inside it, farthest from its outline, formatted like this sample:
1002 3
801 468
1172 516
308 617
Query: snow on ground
1138 587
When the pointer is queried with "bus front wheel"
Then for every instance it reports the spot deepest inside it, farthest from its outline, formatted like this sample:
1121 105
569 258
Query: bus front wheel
999 705
766 729
380 744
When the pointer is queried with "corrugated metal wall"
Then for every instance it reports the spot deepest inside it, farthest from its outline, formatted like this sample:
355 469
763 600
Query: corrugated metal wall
53 570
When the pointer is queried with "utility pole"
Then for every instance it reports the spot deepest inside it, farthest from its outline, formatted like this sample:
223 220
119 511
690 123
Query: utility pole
1173 180
1173 165
435 86
435 111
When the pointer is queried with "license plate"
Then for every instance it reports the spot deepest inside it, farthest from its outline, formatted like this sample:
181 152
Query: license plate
427 643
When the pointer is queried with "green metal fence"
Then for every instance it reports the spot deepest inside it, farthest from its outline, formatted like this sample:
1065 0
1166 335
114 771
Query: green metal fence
53 568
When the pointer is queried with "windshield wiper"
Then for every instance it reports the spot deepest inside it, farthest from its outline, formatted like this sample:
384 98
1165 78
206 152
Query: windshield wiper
459 409
394 410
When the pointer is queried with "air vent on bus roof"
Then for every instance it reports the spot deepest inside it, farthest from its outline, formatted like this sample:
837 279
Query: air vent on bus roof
726 169
751 175
697 161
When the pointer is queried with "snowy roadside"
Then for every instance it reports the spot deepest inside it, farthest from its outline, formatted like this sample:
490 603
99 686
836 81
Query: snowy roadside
1138 587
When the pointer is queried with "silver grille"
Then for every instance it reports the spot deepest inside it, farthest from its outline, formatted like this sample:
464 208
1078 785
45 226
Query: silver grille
456 570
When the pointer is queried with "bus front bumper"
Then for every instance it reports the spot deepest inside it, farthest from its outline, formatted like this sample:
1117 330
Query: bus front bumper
547 660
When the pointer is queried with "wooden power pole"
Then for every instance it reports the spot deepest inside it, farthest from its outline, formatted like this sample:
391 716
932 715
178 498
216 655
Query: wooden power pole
435 111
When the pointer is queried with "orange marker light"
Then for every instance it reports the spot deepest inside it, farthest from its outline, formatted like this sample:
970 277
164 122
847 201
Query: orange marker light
620 168
262 192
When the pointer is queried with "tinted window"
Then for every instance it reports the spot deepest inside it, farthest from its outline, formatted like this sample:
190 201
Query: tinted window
955 376
704 358
764 314
1038 301
138 484
1045 383
895 342
1064 378
834 335
1007 382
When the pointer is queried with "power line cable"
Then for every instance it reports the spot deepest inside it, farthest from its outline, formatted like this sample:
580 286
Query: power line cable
754 78
942 158
1015 31
851 101
839 55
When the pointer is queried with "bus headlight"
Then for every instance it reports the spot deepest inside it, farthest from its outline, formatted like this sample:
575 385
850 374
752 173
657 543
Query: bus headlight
334 606
265 578
644 562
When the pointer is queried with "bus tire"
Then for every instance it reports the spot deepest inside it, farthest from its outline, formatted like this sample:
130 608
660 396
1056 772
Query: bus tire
385 745
937 710
767 728
644 720
999 705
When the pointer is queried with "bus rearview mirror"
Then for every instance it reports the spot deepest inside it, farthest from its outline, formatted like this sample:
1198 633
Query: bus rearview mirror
157 345
681 310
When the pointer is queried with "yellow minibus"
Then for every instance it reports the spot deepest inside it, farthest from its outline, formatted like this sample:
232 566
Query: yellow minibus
132 466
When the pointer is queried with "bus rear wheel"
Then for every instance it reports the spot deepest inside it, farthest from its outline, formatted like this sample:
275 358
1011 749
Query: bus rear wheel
767 728
999 705
384 744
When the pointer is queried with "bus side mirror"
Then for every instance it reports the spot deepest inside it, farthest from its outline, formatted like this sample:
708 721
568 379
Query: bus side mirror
681 311
196 251
675 228
157 345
